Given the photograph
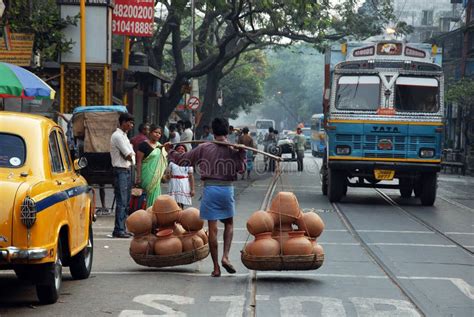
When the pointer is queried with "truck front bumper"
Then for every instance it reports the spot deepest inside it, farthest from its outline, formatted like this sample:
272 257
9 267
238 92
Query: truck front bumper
10 254
370 166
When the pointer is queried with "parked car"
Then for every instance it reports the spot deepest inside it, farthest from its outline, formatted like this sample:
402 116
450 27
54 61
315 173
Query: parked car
46 207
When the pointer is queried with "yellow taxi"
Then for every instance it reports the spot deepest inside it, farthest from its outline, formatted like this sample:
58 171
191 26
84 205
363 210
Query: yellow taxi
46 207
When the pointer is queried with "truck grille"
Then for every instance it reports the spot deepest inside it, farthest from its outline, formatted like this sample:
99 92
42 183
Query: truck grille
402 145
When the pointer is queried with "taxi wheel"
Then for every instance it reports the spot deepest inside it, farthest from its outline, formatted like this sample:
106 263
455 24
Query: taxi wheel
22 273
81 264
47 289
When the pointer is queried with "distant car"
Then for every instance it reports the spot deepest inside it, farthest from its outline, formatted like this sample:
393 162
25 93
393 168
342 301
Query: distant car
46 207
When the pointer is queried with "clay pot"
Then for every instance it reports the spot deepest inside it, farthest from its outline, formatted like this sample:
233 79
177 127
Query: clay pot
285 208
311 223
167 243
166 210
139 223
203 235
297 244
259 222
191 241
264 245
248 247
281 236
153 218
140 245
178 230
317 248
190 220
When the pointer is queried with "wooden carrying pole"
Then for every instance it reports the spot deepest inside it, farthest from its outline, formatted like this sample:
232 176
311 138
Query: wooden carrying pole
237 146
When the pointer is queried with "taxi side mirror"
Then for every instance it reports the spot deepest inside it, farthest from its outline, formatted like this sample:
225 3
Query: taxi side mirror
80 163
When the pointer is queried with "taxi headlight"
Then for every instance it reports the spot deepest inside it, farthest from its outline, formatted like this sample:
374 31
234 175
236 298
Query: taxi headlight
28 212
343 150
427 153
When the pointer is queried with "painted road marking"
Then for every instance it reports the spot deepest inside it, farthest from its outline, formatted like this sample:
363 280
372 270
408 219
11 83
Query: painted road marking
329 243
289 305
455 203
325 230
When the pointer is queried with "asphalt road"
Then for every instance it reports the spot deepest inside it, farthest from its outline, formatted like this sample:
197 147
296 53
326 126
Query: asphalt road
385 256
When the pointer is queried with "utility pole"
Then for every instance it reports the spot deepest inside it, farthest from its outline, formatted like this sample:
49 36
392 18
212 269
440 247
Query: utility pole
465 46
83 52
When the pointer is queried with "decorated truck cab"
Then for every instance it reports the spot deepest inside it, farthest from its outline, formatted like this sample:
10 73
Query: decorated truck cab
46 207
384 118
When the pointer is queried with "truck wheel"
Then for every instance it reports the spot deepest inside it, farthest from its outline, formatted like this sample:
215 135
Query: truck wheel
428 190
336 183
323 174
417 187
48 287
406 187
81 264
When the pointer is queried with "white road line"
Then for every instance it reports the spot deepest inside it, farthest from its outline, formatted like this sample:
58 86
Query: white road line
460 233
414 245
455 203
394 231
328 243
325 230
462 285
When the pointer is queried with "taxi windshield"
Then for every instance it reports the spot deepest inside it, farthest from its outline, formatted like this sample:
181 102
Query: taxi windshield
12 150
358 93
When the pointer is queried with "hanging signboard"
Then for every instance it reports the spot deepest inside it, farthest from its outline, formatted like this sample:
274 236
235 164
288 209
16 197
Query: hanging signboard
133 17
19 50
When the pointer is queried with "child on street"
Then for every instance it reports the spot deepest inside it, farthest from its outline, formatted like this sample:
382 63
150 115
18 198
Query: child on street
181 181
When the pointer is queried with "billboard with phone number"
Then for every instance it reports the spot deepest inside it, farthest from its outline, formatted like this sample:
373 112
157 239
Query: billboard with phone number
133 17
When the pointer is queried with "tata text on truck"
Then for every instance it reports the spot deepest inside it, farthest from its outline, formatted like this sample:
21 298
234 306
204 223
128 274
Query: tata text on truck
384 118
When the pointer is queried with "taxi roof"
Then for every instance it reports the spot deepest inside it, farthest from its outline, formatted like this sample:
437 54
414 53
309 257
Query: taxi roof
23 123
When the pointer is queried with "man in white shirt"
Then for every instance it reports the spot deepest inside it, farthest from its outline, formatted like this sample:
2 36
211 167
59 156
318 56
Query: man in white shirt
123 157
187 135
174 134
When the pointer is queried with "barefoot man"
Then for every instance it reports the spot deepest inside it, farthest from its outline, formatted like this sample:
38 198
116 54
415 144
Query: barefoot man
218 166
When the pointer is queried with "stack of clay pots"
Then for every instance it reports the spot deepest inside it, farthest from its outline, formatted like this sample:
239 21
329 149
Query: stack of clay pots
274 232
164 229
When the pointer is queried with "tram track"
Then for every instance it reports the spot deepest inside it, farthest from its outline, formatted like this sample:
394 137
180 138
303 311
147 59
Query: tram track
378 260
409 295
422 222
251 294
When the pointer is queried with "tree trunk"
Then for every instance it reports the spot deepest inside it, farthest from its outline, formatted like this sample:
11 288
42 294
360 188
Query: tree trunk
210 99
170 100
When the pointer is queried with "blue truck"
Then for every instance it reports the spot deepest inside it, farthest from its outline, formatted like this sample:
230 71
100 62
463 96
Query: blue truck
383 111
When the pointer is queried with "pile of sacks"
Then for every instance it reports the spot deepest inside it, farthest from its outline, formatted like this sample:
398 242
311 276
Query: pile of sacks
165 229
274 229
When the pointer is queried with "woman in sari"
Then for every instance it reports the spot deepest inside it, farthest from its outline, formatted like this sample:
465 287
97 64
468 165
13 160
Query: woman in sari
151 165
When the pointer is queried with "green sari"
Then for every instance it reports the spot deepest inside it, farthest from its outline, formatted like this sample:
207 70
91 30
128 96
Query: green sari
153 168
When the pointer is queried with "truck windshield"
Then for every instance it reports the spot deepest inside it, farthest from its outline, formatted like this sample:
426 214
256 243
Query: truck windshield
415 94
358 93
